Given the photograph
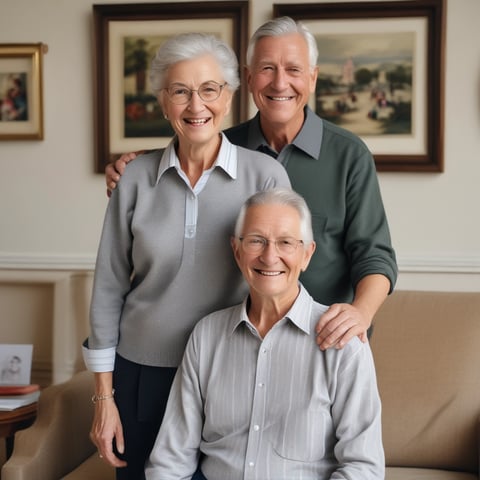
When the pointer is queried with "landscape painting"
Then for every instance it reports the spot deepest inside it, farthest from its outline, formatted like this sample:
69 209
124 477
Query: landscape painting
143 115
365 81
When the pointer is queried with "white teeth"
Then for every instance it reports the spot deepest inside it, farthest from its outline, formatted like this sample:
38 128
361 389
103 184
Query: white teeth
280 99
199 121
269 274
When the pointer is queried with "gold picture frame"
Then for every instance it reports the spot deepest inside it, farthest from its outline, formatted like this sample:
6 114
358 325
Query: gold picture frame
21 91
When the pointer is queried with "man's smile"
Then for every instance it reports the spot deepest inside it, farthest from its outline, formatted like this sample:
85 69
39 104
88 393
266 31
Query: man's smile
269 273
279 99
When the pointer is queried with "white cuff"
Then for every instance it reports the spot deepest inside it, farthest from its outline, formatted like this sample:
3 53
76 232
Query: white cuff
99 360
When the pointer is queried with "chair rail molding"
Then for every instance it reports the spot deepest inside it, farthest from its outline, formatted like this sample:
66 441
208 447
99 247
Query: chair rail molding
30 261
416 262
447 263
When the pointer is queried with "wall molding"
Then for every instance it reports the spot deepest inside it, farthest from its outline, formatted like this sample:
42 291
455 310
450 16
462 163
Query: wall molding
47 262
439 263
420 263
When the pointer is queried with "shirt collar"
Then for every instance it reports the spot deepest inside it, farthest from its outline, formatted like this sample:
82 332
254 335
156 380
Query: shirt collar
309 139
226 159
299 314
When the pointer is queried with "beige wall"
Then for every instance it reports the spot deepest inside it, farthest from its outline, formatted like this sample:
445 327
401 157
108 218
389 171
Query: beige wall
52 203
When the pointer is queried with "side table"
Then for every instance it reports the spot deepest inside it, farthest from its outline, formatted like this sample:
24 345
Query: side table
13 420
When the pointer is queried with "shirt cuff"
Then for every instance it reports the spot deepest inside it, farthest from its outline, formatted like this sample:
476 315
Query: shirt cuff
99 360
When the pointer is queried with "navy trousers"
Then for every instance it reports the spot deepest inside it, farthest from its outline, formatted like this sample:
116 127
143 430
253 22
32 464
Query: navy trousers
141 394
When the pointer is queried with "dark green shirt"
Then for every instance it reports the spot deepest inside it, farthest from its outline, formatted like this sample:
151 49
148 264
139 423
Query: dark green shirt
334 171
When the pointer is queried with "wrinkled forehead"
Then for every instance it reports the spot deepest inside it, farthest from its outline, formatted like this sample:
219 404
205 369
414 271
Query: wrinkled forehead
272 217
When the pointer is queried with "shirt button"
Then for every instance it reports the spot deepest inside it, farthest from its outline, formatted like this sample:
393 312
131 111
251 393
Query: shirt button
256 428
261 385
251 464
264 350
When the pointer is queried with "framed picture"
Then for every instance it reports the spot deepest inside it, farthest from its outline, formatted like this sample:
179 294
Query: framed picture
128 117
381 75
21 99
15 364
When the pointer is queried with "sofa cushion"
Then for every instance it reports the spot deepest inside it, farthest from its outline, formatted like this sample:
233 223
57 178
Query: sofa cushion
393 473
94 468
427 356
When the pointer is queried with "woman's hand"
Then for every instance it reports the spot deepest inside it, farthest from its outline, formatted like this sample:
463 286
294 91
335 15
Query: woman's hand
106 429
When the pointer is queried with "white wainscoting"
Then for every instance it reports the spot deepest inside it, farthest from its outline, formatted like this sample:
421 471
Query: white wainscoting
58 330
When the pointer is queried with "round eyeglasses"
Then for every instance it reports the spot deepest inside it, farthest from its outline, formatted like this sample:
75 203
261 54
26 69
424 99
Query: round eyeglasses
256 244
208 92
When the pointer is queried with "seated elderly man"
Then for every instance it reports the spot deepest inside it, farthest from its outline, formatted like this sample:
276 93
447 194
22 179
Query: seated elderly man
254 397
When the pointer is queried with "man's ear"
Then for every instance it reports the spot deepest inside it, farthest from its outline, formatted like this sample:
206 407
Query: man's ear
313 78
308 255
235 247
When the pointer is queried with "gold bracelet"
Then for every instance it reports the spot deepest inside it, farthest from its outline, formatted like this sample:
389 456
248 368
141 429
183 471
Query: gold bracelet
96 398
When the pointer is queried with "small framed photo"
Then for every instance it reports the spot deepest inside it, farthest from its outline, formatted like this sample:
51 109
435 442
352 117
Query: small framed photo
128 117
381 76
21 98
15 364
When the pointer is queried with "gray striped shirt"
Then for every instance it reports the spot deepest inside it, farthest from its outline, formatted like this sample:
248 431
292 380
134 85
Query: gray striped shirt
271 408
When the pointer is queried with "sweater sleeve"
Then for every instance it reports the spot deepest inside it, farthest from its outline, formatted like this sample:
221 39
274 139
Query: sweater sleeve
367 236
113 268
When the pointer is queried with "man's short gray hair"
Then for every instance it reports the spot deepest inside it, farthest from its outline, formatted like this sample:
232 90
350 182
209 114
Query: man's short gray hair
284 26
279 196
187 46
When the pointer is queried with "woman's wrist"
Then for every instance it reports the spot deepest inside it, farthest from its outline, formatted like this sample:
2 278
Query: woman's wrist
102 396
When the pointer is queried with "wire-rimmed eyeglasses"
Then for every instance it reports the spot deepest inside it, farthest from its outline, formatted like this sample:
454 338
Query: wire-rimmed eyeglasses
255 244
207 91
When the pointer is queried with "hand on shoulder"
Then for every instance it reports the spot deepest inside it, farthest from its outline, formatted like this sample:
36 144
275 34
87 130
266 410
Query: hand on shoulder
114 170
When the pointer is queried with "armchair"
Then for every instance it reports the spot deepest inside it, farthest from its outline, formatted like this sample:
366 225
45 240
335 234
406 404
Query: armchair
57 445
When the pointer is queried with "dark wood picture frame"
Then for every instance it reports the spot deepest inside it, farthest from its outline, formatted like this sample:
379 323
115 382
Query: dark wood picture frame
433 12
235 13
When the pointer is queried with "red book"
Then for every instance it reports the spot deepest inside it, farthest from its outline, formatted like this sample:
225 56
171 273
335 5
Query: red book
18 389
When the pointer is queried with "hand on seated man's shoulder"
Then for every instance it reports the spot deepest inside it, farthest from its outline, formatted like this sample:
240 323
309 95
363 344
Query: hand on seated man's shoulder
114 170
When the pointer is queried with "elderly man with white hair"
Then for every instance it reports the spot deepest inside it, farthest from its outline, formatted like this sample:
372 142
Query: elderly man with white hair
254 397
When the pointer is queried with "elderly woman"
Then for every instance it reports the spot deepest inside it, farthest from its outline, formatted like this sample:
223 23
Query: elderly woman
164 258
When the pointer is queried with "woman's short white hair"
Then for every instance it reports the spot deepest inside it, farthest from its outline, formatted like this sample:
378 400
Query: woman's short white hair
284 26
187 46
279 196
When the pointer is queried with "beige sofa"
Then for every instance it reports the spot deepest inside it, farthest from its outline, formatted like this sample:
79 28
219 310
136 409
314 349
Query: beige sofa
427 353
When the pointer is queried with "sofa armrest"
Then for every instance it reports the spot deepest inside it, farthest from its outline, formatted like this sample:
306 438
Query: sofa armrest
58 441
